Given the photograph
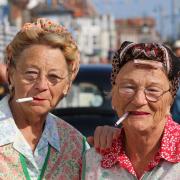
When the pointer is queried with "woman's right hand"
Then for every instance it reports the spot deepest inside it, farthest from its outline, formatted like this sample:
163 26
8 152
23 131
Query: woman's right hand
103 138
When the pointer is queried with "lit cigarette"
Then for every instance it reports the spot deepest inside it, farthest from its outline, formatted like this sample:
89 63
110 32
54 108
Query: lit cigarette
21 100
121 119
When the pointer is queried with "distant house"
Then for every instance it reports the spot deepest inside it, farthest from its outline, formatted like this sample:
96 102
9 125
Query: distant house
137 30
7 31
54 11
96 36
81 8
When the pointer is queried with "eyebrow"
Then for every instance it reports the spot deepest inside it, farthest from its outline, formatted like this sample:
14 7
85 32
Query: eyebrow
57 70
134 82
36 67
31 66
61 72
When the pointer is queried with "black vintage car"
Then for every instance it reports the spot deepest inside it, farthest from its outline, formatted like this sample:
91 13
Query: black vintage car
88 104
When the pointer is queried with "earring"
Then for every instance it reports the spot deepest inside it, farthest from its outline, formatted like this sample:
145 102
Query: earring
113 108
64 93
10 87
11 91
66 89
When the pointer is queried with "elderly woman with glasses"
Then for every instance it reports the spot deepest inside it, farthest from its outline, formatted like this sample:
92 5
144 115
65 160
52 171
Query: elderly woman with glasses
42 61
145 79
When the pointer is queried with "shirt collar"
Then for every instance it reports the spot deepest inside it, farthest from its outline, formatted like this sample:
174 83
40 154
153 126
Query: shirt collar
169 149
9 130
5 111
51 131
170 144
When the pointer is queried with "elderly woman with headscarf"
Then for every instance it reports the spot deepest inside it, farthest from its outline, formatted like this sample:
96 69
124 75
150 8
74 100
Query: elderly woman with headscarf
42 62
144 83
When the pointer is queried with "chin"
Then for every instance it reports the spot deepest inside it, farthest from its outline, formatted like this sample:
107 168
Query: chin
140 125
142 129
39 110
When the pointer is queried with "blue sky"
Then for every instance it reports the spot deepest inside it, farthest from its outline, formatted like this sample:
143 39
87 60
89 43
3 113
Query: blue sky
161 10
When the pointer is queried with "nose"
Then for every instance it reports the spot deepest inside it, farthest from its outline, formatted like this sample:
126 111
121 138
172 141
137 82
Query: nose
41 84
139 98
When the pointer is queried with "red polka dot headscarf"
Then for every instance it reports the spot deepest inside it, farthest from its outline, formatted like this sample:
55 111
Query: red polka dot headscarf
147 52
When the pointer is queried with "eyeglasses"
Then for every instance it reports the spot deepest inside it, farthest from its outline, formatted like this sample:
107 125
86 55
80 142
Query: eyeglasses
152 94
34 77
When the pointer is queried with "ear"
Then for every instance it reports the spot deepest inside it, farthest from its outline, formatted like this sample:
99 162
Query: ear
170 103
74 66
75 70
67 88
114 99
9 76
168 110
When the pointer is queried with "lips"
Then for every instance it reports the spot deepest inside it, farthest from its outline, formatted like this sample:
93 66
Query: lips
38 99
138 113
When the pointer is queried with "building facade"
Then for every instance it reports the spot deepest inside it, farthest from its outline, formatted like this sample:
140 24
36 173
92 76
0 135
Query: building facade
137 30
96 36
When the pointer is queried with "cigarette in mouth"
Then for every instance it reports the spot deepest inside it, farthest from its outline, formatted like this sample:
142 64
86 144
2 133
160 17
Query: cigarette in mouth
21 100
121 119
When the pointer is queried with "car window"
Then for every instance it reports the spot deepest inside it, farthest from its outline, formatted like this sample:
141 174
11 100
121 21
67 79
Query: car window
82 95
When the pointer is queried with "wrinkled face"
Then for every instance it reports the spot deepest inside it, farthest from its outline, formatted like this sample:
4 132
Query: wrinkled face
138 80
41 72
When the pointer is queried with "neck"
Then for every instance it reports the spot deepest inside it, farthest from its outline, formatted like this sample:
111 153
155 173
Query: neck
145 142
30 125
142 147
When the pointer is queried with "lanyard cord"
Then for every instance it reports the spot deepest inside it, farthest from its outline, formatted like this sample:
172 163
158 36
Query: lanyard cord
24 165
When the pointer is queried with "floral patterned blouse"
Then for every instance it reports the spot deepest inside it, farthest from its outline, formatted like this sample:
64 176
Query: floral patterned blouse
115 164
66 148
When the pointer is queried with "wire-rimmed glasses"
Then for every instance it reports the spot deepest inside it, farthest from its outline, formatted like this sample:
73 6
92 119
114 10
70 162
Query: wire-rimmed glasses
151 94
